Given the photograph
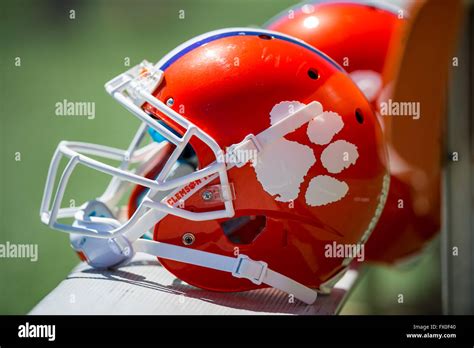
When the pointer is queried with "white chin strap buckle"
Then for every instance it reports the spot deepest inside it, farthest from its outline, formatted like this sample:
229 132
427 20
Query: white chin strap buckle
245 267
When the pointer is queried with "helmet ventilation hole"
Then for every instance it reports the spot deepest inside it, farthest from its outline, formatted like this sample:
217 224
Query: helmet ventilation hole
313 74
265 37
359 116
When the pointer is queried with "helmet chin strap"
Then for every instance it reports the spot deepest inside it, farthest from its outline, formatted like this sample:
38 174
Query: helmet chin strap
114 252
240 267
117 251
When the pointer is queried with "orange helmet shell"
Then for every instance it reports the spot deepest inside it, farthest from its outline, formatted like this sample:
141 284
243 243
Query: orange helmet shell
229 85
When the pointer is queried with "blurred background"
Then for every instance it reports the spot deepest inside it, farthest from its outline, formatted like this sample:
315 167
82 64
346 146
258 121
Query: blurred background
71 58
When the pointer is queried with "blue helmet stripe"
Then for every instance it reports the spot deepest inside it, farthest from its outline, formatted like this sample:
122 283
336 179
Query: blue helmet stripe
199 43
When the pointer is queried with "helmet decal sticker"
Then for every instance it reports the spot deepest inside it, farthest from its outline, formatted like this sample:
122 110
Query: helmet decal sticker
278 163
338 156
324 189
282 166
324 127
283 109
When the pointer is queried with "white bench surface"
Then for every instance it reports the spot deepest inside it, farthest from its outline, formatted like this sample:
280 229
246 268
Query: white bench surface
145 287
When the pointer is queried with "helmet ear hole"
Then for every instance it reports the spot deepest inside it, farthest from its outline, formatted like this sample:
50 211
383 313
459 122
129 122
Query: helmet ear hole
244 229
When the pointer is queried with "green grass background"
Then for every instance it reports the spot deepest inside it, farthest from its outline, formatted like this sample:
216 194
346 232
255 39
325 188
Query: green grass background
72 59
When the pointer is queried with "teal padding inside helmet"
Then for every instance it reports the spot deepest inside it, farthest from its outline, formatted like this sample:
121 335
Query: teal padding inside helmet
156 136
188 151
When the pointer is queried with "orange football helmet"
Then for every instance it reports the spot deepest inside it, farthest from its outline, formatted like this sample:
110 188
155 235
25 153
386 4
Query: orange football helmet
265 156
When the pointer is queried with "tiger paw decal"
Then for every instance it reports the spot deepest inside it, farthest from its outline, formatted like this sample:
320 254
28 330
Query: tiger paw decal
282 167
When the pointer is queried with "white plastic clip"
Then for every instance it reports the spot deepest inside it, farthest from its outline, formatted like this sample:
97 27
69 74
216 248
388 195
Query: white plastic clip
245 267
142 77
